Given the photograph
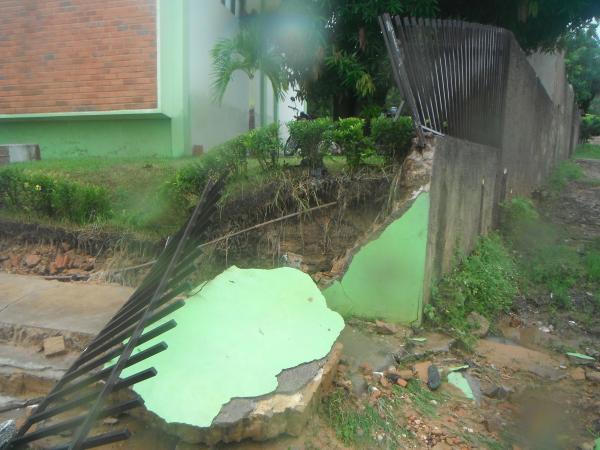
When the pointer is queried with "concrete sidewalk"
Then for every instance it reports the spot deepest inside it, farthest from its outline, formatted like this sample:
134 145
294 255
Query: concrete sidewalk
29 301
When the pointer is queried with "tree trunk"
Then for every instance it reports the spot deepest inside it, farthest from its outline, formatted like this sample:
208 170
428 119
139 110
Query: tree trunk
251 118
344 106
252 105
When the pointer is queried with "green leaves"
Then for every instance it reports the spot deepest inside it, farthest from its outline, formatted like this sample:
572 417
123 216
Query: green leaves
583 63
590 126
54 197
264 145
249 52
313 138
485 282
393 138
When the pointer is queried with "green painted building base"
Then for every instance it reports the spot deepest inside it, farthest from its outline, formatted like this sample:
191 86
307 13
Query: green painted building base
110 137
385 278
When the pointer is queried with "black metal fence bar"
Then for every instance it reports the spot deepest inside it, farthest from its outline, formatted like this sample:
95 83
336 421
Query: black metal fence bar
153 300
454 71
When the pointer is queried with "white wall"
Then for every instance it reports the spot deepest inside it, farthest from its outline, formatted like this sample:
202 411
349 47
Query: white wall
210 123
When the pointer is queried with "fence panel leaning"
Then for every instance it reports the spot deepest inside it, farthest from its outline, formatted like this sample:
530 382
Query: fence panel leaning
84 394
452 75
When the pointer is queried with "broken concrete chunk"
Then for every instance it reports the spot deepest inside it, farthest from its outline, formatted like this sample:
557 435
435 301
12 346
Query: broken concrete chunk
593 376
493 424
54 346
499 392
406 374
577 374
278 330
422 369
580 359
481 324
433 377
32 260
385 328
458 380
8 430
401 382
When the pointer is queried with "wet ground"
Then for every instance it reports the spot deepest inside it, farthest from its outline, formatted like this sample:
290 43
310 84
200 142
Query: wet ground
526 392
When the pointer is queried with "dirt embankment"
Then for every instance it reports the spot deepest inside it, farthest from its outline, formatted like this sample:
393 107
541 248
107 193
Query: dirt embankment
309 241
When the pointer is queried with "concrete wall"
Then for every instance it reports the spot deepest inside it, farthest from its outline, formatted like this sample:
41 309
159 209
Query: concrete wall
210 123
77 138
537 132
463 184
540 126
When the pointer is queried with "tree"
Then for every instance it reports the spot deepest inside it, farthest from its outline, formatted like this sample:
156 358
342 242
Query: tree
354 72
335 57
537 24
248 51
583 64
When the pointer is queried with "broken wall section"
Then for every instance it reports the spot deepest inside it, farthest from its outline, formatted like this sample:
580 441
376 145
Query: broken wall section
382 276
462 200
540 128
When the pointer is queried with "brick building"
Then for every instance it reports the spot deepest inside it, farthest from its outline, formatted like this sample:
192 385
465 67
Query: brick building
120 77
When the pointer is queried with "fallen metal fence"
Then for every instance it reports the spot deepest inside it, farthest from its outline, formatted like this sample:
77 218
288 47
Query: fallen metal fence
451 73
88 383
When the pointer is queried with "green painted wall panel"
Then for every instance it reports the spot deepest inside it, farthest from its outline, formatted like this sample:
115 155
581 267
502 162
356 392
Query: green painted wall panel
80 138
173 71
385 278
232 340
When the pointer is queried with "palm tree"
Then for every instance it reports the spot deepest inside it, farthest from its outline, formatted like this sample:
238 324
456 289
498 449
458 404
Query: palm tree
248 52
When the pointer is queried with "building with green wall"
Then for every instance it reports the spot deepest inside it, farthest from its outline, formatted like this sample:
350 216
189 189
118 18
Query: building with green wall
121 79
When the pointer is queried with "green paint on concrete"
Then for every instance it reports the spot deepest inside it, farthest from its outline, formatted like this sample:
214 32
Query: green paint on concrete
233 338
458 380
173 71
385 278
62 138
580 356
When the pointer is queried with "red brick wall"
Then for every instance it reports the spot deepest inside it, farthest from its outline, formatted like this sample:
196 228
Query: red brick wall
77 55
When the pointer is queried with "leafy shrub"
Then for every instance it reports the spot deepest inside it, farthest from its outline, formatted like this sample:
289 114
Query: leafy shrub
229 158
590 126
349 135
485 282
312 138
54 197
263 144
393 138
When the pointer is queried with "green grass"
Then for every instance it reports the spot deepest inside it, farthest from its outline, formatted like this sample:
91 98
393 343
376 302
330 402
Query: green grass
424 400
140 200
588 151
485 282
359 424
563 173
133 186
549 265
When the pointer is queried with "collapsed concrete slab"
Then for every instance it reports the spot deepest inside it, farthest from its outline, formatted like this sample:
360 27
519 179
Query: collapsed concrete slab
251 349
